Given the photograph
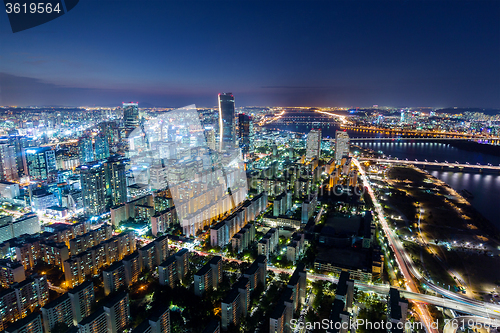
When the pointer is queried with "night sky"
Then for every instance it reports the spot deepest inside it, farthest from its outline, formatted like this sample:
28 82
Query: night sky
276 53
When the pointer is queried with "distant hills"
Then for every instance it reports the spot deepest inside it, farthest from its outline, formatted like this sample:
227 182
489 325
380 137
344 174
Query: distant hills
462 110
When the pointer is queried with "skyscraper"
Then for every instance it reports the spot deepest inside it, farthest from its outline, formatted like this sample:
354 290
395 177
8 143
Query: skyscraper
85 150
116 180
93 181
8 166
313 148
245 132
341 146
39 162
101 147
131 114
227 133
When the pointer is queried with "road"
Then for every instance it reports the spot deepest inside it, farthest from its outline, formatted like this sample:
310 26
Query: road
446 164
411 273
400 254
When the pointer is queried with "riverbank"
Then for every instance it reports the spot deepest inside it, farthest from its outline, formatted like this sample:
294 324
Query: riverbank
458 246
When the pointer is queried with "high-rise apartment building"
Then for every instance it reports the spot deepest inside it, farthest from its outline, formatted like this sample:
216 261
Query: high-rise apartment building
82 298
131 114
117 313
313 146
341 146
39 162
95 323
209 276
132 267
93 181
113 277
116 180
227 130
30 324
57 311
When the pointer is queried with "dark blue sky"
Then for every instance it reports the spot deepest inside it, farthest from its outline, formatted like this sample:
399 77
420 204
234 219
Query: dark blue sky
323 53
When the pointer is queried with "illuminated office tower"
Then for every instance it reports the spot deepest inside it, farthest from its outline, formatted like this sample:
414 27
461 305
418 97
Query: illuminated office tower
131 114
341 146
227 135
8 166
85 150
245 132
101 147
93 181
116 180
313 147
39 162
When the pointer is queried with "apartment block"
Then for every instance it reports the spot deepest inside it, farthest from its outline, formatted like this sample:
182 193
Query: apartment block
57 311
257 272
397 310
11 272
298 282
167 272
113 277
161 248
117 313
9 311
209 276
345 291
132 267
31 294
147 256
158 322
82 298
53 253
30 324
97 322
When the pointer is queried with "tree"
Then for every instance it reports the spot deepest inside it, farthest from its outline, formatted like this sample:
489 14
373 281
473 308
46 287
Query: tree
60 328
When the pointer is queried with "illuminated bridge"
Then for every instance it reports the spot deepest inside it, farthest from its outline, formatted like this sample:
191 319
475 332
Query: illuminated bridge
405 138
435 163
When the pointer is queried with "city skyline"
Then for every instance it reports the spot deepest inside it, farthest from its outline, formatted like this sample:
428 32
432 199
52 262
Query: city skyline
247 166
320 54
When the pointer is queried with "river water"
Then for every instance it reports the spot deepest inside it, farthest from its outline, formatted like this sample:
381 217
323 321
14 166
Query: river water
484 187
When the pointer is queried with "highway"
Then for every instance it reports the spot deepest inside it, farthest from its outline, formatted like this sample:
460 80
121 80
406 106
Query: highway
400 254
410 272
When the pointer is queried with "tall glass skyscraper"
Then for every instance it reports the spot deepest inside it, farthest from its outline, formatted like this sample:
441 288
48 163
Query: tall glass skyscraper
245 132
227 132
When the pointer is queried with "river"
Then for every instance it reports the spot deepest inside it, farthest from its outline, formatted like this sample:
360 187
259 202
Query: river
484 187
